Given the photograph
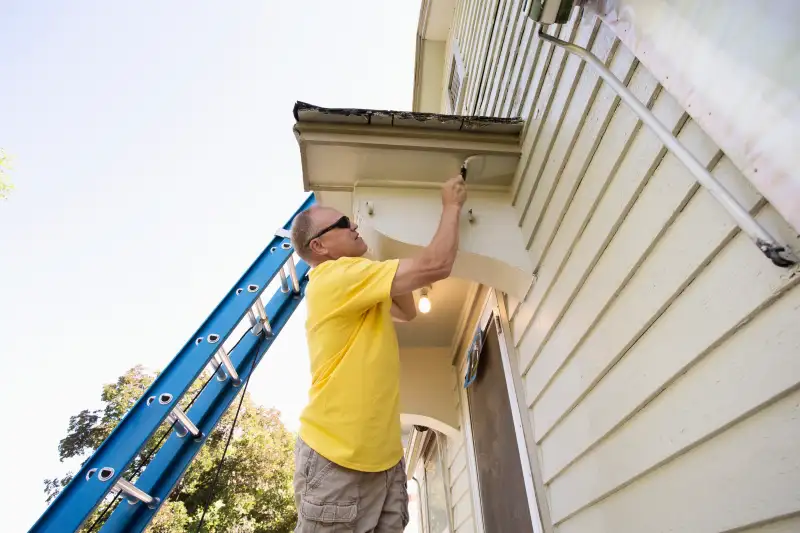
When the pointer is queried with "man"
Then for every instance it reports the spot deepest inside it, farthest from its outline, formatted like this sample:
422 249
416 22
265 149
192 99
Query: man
349 470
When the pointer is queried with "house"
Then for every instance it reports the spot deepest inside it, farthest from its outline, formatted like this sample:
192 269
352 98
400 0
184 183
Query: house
637 353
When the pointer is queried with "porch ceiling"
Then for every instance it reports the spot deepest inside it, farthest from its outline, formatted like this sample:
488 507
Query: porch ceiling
439 327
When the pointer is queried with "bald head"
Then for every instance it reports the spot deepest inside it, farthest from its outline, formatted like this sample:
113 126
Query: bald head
323 233
303 229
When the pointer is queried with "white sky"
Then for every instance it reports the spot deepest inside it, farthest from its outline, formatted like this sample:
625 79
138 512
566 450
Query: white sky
154 157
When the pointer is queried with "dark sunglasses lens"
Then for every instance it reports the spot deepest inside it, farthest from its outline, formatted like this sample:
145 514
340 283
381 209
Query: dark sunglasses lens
343 223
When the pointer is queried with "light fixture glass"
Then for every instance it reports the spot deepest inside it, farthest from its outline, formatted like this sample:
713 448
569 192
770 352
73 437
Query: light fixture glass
424 302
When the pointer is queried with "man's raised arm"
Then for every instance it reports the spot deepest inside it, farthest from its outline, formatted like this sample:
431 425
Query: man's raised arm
435 262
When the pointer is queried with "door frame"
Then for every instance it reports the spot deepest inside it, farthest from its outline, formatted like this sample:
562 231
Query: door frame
494 309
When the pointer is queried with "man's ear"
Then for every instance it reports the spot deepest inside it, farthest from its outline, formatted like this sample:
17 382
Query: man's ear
317 247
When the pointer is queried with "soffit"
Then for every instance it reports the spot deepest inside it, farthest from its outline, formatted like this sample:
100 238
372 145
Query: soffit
342 148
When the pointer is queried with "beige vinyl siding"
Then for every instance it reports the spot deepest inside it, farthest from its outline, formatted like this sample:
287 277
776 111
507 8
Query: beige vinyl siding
786 525
460 486
659 350
459 475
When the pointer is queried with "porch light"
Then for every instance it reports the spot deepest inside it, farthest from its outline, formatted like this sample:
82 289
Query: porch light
424 302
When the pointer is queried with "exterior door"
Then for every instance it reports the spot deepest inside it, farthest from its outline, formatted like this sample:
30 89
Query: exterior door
500 480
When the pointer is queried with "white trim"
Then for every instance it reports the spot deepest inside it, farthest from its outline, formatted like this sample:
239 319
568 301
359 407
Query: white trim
493 309
518 408
522 424
463 320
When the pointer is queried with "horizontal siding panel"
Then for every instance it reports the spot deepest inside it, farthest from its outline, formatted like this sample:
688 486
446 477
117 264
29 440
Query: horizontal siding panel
515 53
510 38
468 526
787 525
660 201
460 486
510 97
472 34
540 126
686 247
724 387
459 461
550 132
747 474
603 163
462 512
714 306
478 51
499 35
630 176
533 89
530 60
587 118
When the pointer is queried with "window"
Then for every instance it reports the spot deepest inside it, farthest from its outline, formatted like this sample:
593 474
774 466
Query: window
455 82
436 492
430 474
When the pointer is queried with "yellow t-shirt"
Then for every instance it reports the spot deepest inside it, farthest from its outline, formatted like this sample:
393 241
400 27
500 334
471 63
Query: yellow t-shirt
353 414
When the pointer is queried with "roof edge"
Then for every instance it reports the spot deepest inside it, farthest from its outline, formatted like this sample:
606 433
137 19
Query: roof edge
390 117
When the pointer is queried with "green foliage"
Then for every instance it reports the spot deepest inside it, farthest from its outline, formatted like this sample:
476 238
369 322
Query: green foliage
5 183
254 490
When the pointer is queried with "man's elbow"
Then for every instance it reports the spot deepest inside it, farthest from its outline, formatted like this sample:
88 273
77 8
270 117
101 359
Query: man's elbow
441 270
437 268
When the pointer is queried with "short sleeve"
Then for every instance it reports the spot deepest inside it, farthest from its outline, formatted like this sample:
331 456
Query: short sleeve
362 283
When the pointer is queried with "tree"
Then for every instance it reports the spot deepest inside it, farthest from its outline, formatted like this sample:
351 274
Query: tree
5 182
254 490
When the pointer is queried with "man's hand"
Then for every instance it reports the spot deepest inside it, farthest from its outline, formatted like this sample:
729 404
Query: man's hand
454 192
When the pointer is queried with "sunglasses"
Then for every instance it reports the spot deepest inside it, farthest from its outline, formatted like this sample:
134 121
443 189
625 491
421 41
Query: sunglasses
342 223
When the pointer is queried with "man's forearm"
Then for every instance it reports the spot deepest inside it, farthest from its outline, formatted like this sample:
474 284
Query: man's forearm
443 247
403 307
435 261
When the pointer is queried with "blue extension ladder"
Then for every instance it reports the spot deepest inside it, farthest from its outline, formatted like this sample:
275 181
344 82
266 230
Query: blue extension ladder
102 472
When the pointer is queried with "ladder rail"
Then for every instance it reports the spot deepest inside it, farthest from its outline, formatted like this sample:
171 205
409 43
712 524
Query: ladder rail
171 461
85 491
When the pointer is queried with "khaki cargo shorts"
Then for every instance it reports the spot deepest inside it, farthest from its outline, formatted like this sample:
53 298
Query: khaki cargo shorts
331 498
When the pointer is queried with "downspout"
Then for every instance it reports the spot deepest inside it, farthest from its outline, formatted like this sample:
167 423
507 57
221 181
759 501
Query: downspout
779 254
486 57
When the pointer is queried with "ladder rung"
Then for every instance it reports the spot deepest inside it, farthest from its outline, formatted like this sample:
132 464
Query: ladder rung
216 364
293 273
284 281
226 362
177 415
262 314
133 493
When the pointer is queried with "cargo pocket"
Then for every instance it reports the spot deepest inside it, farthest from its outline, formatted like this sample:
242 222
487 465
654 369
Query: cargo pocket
330 498
329 513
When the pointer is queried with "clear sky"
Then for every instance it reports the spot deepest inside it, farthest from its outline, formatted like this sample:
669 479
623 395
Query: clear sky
154 158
